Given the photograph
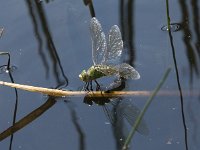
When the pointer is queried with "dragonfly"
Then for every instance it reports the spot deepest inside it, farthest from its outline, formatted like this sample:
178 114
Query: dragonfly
106 54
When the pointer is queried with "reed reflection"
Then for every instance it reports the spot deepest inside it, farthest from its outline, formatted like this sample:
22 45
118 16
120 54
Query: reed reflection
28 118
127 28
44 38
9 69
193 52
191 38
74 117
89 3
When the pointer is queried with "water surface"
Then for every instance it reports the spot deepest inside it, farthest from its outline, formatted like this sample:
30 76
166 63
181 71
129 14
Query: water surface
49 43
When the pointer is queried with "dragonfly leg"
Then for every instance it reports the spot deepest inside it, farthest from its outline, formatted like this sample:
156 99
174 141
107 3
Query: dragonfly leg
86 86
91 89
98 88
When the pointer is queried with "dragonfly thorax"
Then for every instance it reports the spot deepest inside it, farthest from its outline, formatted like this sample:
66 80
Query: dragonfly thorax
91 74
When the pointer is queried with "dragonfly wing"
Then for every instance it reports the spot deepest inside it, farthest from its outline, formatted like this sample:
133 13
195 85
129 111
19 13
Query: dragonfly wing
99 45
130 113
115 44
109 113
127 71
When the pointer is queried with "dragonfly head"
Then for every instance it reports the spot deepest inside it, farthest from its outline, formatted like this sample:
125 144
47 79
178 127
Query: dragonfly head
84 76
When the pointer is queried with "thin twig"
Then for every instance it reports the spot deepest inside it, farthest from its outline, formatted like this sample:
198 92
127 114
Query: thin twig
59 93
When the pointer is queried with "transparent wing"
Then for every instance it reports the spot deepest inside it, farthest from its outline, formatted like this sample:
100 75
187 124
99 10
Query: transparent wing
130 113
115 45
109 114
99 46
126 71
126 110
116 85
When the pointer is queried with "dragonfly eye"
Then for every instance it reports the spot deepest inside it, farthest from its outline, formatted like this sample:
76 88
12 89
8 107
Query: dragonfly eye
83 75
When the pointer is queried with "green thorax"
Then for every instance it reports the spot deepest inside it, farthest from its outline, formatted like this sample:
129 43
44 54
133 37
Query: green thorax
93 72
98 71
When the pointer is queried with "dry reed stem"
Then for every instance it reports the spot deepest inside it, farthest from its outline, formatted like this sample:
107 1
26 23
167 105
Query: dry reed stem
60 93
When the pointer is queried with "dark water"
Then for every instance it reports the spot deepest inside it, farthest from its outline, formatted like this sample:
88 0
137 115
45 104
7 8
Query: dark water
49 43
